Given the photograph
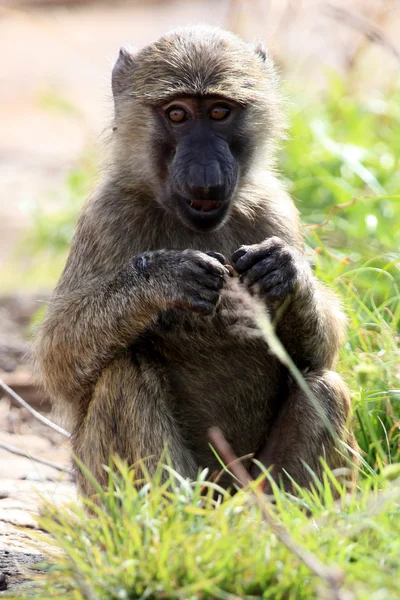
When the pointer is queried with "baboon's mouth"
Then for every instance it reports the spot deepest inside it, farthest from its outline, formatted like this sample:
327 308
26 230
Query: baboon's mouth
204 206
203 215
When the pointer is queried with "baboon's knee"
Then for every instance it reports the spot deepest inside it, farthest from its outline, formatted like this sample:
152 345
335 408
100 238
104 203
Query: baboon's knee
331 391
334 398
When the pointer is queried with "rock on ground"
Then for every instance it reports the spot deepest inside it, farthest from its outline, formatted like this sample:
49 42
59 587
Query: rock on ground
19 551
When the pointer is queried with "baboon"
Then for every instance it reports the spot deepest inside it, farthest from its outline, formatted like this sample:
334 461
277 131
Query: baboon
141 340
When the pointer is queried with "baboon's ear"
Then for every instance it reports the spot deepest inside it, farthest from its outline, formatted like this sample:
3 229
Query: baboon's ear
124 66
260 51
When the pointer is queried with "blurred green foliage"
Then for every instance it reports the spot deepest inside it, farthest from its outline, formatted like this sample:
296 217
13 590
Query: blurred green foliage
52 233
342 149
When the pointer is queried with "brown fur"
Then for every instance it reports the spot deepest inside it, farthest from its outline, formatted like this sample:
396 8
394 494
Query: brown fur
136 373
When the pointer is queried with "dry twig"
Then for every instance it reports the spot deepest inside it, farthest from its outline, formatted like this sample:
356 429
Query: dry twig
332 211
16 398
37 459
362 24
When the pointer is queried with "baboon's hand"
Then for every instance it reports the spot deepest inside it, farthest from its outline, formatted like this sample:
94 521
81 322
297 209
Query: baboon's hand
185 279
272 268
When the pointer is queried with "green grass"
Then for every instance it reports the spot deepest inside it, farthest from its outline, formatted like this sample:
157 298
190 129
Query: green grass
174 543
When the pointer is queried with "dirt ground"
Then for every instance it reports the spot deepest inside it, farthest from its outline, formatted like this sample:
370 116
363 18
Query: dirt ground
22 480
55 101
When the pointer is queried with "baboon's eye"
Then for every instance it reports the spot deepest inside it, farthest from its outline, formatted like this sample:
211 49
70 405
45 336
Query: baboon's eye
219 112
177 114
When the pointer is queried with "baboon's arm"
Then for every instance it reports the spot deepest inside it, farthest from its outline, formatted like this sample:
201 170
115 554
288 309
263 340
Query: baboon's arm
309 322
84 329
311 327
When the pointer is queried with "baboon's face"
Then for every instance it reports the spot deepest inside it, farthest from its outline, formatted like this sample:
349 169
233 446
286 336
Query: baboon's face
197 148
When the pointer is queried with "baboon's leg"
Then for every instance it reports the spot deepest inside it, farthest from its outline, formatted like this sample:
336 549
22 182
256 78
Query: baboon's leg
300 436
129 416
